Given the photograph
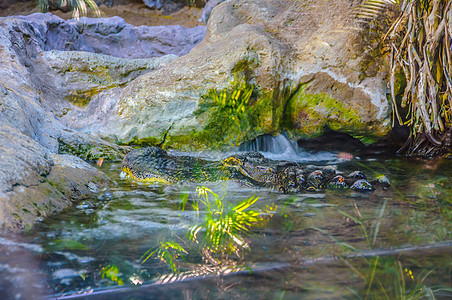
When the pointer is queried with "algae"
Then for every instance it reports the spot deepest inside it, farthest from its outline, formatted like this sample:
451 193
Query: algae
307 115
90 152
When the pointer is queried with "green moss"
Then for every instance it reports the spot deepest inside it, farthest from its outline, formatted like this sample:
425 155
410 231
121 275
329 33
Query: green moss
97 74
148 141
90 152
372 50
307 115
81 98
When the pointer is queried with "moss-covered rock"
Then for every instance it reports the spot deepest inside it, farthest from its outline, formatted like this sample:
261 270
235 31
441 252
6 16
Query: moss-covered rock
228 116
309 113
91 149
81 75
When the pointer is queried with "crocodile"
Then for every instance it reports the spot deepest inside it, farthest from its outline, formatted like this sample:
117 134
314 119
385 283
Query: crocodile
155 165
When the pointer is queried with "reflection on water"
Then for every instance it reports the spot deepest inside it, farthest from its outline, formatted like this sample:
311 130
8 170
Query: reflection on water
332 244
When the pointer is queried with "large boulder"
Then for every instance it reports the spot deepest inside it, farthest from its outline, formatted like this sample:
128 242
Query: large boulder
34 183
303 61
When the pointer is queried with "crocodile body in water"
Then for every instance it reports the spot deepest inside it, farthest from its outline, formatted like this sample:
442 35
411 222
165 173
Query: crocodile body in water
152 164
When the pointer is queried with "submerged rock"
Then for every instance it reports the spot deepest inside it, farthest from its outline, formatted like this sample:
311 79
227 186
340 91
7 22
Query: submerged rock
382 180
338 182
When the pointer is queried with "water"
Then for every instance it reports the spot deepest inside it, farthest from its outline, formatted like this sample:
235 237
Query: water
315 246
280 147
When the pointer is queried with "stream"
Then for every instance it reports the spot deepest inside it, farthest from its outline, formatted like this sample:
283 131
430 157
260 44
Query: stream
325 245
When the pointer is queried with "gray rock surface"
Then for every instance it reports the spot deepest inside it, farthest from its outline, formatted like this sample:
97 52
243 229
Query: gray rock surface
110 36
35 183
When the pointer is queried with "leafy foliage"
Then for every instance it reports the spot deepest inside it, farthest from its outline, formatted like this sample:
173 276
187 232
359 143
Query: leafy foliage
223 227
233 114
370 9
112 272
167 252
232 102
79 8
220 233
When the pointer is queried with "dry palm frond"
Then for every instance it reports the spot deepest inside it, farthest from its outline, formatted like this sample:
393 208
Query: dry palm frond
420 48
419 40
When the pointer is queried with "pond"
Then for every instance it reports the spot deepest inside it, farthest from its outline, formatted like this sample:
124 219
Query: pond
314 245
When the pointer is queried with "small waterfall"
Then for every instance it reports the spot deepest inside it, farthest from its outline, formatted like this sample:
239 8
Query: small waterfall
278 144
280 147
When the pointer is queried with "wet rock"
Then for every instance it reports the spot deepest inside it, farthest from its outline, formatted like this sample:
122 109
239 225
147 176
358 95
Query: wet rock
328 172
356 175
75 178
91 149
301 181
362 185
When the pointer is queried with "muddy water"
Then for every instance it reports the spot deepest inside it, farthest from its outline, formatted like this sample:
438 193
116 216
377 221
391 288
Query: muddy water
333 244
